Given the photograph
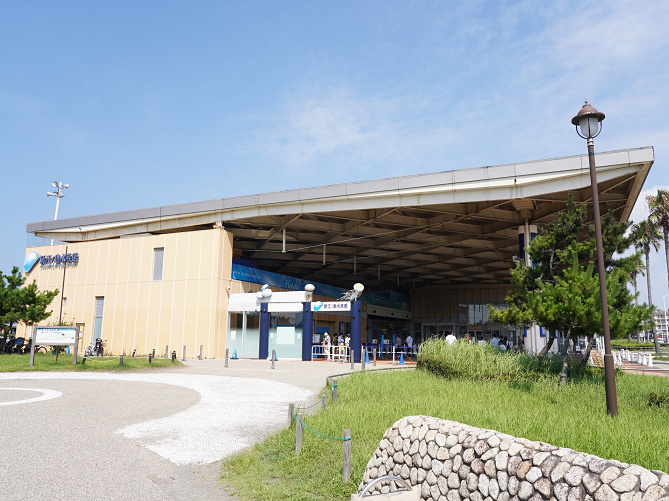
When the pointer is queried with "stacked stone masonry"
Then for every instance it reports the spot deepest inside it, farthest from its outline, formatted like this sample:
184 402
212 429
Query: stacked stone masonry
450 461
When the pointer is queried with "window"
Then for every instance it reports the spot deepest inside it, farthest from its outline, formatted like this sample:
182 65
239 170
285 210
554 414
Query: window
158 264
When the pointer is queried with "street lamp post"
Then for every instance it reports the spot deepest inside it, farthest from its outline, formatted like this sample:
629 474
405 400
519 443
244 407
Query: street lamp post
589 120
58 195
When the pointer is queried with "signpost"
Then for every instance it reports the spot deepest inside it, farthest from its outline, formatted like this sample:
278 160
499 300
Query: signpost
57 335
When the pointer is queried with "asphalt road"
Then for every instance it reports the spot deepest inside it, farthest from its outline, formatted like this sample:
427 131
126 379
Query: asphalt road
156 435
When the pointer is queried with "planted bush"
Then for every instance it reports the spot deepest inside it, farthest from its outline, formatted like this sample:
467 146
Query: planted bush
483 362
656 399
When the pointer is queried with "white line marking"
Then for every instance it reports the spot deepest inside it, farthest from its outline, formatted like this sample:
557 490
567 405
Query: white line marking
233 413
46 395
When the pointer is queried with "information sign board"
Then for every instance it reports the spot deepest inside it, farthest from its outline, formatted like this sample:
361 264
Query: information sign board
55 335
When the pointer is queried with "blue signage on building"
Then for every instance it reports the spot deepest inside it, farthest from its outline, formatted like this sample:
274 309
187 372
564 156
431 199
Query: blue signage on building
59 260
31 261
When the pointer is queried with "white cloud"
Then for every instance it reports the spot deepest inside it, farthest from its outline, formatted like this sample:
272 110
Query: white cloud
339 126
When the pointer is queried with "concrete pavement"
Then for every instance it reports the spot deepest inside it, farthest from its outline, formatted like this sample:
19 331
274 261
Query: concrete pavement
154 435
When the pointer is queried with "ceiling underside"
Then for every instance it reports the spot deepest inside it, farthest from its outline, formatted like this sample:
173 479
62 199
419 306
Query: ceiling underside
402 248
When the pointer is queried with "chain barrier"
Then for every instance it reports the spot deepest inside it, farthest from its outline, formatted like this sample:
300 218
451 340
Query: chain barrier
318 432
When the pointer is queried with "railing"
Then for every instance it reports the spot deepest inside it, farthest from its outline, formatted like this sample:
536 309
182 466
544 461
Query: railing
336 353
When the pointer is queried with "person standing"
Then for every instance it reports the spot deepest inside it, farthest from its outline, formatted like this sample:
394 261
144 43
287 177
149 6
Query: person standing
450 339
326 345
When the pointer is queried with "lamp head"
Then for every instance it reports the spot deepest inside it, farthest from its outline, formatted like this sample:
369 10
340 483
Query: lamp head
588 120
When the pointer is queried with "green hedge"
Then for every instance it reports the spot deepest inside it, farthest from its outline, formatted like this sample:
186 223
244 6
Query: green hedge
477 362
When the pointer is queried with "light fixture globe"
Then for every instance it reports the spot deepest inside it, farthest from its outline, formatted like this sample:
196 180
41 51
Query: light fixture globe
588 120
358 287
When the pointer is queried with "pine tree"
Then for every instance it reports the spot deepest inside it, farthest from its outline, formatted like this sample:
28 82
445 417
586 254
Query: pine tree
20 302
560 291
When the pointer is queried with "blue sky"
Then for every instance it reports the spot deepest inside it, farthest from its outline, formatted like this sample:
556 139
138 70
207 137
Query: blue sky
140 104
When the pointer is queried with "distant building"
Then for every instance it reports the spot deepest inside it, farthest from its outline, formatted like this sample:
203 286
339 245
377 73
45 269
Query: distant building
660 319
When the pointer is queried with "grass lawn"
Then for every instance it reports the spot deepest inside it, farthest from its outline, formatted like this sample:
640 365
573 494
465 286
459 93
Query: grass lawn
47 362
573 416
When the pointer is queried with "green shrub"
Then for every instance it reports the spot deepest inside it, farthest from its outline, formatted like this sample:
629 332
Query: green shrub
624 343
658 399
463 360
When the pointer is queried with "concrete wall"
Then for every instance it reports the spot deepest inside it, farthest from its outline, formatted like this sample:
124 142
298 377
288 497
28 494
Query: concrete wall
454 462
187 307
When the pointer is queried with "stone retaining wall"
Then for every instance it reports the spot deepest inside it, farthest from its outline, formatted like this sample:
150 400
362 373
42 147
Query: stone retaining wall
454 462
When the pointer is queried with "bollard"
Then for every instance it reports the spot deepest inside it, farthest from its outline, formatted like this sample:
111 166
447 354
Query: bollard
273 358
167 350
134 351
83 360
183 359
334 391
347 456
393 355
650 360
150 357
174 356
374 351
120 361
201 348
227 351
298 434
363 359
323 400
352 359
291 411
153 353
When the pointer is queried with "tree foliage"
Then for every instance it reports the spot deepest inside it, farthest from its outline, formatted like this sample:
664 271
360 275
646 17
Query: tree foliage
658 206
560 290
646 236
20 302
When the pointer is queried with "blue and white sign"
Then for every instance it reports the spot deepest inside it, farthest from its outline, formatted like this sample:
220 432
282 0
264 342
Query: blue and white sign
55 336
330 306
31 261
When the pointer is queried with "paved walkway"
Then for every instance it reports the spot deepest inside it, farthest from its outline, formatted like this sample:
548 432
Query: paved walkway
154 435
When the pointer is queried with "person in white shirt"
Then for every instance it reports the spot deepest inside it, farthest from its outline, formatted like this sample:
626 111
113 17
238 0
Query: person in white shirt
326 345
409 343
450 339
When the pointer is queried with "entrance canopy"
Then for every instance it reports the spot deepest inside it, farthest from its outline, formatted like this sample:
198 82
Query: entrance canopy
443 228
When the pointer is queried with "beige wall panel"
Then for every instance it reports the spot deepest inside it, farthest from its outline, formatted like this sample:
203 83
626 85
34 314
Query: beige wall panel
116 316
152 336
188 307
164 326
128 305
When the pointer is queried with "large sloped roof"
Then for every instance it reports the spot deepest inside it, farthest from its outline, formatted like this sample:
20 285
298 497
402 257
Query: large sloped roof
443 228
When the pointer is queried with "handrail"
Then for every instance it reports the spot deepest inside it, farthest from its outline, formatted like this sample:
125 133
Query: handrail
383 478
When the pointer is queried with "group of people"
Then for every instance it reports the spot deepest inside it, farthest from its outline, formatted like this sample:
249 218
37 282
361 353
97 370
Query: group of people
328 345
500 342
